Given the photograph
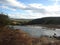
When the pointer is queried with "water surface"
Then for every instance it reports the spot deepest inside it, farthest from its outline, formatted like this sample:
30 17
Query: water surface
38 30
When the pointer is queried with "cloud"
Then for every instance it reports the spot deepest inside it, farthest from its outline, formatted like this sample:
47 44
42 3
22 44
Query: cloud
46 9
33 10
13 3
6 7
39 10
22 16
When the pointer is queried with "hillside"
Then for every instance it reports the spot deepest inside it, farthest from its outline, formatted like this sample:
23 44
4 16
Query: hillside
21 19
46 20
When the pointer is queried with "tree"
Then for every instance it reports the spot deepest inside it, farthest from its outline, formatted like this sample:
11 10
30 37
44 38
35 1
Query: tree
4 20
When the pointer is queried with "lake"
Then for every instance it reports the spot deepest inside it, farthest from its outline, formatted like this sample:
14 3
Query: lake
38 31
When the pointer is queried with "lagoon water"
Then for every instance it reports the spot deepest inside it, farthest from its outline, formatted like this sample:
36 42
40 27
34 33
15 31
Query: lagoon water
38 31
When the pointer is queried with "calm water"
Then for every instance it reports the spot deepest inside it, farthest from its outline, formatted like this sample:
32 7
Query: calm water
38 31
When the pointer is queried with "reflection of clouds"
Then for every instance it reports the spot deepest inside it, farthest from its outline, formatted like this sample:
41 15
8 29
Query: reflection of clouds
49 32
38 31
58 32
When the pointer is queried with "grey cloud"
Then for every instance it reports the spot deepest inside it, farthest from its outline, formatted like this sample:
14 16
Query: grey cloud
33 9
57 12
18 5
4 2
36 10
43 11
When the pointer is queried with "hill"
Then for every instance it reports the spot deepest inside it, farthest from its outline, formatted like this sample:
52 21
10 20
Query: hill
21 19
46 21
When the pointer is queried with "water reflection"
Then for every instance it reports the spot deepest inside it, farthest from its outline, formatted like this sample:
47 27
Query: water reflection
38 31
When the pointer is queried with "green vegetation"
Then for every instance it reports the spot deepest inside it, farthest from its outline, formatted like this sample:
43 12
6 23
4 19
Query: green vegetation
20 21
4 20
46 21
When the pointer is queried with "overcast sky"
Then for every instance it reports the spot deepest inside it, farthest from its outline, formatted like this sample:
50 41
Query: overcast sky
29 9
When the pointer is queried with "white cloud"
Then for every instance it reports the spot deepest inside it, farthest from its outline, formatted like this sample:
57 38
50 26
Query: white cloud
21 16
6 7
16 3
13 3
44 11
35 5
34 10
38 10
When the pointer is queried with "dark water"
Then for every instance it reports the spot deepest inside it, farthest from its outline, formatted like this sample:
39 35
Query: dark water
38 30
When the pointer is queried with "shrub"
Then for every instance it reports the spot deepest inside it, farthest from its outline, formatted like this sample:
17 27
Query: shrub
4 20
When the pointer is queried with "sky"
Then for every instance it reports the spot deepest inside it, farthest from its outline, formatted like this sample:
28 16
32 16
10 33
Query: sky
30 9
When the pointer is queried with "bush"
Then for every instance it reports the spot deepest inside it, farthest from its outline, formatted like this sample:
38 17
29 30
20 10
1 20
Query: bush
4 20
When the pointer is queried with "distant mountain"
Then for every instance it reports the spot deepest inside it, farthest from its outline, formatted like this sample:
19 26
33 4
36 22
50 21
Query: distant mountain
21 19
46 20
